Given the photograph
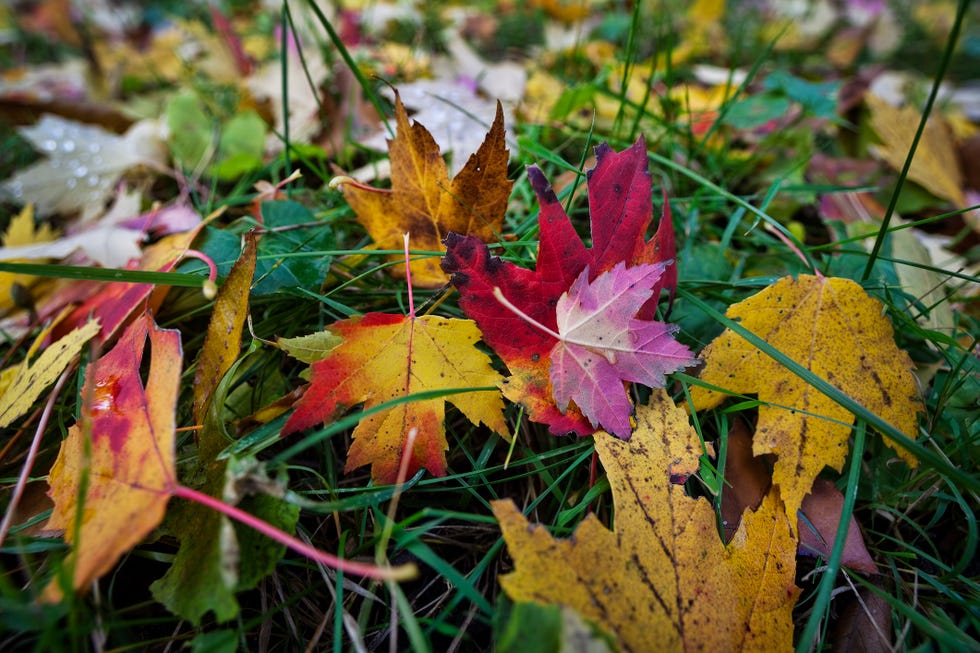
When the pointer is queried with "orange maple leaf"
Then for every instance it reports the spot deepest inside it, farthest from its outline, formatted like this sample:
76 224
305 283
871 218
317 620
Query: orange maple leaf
384 357
128 469
834 329
424 203
663 576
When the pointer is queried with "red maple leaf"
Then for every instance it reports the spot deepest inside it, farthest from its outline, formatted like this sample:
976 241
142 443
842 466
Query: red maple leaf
621 207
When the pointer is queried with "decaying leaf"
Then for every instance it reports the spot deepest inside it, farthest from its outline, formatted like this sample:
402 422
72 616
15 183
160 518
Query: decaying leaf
621 207
837 331
424 203
935 166
22 384
384 357
122 449
663 575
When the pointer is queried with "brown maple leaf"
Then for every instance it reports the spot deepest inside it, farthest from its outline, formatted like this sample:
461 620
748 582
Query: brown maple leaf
425 204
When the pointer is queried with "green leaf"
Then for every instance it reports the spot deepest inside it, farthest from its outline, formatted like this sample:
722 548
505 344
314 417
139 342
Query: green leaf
191 129
240 147
818 98
756 110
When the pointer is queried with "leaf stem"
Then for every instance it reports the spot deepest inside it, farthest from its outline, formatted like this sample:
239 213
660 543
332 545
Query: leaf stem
402 572
524 316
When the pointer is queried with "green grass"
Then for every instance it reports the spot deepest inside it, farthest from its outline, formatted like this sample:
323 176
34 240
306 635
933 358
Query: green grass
920 525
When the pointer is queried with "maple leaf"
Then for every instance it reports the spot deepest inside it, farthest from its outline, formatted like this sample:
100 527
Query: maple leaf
384 357
128 468
833 328
424 203
621 206
600 345
663 575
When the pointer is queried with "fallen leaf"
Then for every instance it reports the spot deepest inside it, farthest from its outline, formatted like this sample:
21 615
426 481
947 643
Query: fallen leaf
384 357
935 166
216 558
602 345
22 384
863 625
621 208
424 203
834 329
747 478
224 337
113 303
82 165
309 348
663 576
819 523
121 451
20 231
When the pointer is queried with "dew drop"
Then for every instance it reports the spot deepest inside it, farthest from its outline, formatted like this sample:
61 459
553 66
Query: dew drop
49 145
94 147
81 170
92 181
71 182
68 146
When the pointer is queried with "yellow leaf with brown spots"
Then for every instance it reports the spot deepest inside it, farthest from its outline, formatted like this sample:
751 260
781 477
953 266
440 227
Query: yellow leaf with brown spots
835 330
425 204
663 577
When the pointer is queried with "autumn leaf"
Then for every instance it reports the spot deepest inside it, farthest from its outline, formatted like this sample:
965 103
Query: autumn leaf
600 345
663 575
22 384
115 302
121 452
621 208
385 357
835 330
20 231
210 567
424 203
935 166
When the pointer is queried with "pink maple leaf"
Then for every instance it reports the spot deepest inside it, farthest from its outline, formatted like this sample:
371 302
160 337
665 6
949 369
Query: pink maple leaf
601 344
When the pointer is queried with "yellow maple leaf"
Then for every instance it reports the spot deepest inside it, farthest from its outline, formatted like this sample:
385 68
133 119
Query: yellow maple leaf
837 331
22 384
21 231
425 204
121 451
384 357
935 166
663 577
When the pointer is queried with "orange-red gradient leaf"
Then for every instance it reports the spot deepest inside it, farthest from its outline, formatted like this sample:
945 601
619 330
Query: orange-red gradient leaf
122 449
385 357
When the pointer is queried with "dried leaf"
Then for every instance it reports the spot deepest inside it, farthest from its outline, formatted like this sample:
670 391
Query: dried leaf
122 450
384 357
22 384
935 166
224 337
663 575
425 204
834 329
820 519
